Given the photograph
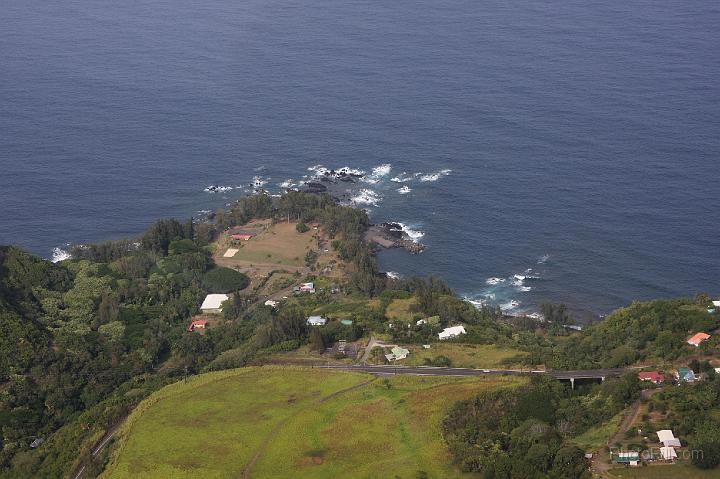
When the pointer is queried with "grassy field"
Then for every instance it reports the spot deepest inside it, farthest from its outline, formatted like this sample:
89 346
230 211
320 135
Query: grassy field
462 355
664 471
280 244
401 310
294 422
597 437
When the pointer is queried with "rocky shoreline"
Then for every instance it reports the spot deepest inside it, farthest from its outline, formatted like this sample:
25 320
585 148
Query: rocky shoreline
391 235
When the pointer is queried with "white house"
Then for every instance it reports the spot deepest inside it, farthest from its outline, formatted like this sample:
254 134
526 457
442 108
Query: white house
316 321
716 303
668 453
307 288
271 303
452 332
668 439
213 303
397 353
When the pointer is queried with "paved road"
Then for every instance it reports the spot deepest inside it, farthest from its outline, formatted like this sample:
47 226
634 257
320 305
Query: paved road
442 371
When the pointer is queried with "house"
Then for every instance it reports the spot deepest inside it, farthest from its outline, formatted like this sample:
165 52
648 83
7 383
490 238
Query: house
452 332
240 234
213 303
652 376
314 225
666 437
306 288
668 453
397 353
716 303
271 303
37 442
346 322
197 324
697 339
685 374
316 321
628 457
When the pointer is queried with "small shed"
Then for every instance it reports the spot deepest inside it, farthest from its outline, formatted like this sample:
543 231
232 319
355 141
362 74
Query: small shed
627 457
316 321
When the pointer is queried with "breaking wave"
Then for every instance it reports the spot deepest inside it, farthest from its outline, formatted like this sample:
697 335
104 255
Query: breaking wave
366 197
435 176
60 254
404 190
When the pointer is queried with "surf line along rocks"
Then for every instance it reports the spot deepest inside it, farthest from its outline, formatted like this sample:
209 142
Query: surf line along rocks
392 235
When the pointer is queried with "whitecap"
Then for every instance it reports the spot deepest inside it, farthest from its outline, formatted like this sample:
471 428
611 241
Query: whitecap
218 189
494 280
434 176
287 184
392 275
367 197
401 178
60 254
258 182
414 235
543 259
404 190
510 305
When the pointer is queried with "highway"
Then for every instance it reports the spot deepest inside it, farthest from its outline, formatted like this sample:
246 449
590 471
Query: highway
447 371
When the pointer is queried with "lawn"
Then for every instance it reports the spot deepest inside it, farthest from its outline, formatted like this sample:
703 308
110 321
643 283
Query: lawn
294 422
597 437
665 471
280 244
401 310
462 355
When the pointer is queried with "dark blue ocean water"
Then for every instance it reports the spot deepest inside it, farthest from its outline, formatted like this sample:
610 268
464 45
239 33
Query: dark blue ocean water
586 132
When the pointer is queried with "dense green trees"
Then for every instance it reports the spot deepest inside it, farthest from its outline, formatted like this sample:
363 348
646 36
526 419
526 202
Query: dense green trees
224 280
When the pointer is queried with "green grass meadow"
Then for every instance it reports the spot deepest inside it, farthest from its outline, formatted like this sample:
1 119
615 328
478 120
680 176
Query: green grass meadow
272 422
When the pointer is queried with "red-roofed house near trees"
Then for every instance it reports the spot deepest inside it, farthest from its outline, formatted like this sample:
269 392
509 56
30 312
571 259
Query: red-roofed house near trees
198 323
652 376
698 338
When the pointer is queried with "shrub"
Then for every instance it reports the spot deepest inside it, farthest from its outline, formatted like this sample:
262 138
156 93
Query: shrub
302 228
224 280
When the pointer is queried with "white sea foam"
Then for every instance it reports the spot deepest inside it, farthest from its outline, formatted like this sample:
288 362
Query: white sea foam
414 235
287 183
259 182
510 305
59 254
392 275
543 259
321 170
218 189
401 178
404 190
366 197
434 176
494 280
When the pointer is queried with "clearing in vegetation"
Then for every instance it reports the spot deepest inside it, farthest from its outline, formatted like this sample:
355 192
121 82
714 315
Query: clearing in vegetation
463 355
279 244
272 422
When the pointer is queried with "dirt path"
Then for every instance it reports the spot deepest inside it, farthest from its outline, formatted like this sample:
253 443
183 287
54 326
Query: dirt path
601 463
99 447
245 473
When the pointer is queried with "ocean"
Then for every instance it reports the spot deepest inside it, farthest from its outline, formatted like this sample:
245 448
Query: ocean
543 151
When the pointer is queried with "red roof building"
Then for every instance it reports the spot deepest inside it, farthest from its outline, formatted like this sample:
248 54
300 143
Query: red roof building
198 323
652 376
698 338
